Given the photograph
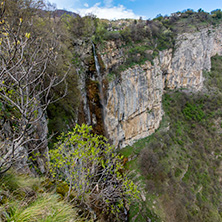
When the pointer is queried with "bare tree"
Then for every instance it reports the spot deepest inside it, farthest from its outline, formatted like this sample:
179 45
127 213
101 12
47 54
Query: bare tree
25 87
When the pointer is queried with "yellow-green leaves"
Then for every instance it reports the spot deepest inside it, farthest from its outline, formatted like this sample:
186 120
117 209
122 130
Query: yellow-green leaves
5 33
27 35
91 166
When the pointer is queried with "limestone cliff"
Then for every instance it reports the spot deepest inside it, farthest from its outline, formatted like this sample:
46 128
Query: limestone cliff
133 108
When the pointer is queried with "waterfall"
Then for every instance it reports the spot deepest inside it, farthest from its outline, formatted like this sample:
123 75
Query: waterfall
96 60
99 76
102 101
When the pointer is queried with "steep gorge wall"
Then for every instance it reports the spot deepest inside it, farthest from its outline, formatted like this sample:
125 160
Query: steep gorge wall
133 108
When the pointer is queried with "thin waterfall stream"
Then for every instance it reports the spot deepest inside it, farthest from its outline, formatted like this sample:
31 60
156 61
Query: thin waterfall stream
102 101
99 75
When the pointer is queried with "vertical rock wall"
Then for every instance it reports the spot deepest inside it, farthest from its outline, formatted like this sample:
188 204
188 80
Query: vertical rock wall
134 104
133 107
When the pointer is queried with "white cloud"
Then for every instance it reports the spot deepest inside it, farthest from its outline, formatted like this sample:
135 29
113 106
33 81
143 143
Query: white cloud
115 12
86 5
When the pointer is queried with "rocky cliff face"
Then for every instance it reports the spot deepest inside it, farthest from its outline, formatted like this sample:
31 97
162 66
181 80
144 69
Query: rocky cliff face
113 55
133 108
192 56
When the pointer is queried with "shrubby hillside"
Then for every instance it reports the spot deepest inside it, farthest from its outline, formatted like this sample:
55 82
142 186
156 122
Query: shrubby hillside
179 165
61 72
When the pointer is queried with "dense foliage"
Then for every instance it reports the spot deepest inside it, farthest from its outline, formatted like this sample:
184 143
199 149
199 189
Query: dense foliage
93 171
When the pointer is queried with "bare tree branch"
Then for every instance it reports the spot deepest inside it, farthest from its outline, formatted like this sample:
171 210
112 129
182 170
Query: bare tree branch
25 88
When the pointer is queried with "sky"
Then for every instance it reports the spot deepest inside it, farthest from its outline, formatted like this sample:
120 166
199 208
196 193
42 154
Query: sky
147 9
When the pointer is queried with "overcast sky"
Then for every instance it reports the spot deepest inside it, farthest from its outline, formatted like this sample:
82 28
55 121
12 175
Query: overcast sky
113 9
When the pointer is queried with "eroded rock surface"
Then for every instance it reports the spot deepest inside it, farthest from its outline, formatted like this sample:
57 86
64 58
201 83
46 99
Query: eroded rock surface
133 108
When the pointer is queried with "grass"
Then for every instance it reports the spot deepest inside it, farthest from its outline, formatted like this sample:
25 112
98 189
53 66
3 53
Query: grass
47 208
24 198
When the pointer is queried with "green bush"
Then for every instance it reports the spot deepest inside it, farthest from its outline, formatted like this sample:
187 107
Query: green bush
91 167
114 35
193 112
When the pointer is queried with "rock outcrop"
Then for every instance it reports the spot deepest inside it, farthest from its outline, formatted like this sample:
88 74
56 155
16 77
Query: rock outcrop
133 108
